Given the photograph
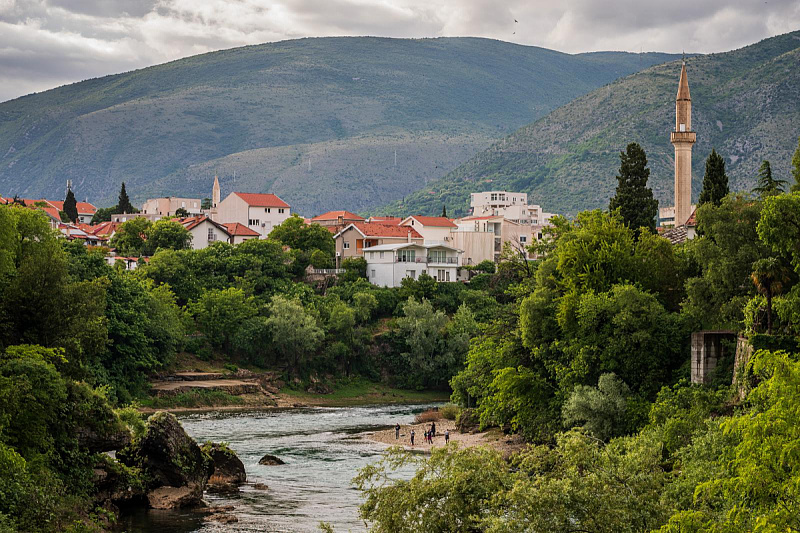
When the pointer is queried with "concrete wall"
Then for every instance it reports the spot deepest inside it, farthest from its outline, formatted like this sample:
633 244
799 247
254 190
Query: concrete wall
707 349
477 246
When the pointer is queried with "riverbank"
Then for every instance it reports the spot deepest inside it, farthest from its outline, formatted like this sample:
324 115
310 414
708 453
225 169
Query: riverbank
493 438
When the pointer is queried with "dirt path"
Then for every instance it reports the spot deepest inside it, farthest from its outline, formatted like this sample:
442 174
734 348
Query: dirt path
201 384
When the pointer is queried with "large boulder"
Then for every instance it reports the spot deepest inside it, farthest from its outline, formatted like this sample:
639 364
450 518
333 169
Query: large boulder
270 460
169 459
228 471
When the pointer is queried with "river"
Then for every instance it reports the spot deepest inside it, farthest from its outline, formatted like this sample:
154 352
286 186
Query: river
322 449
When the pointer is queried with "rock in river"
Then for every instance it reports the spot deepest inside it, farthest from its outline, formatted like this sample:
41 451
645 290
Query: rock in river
228 472
270 460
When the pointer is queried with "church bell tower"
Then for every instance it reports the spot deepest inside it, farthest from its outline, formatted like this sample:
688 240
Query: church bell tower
682 139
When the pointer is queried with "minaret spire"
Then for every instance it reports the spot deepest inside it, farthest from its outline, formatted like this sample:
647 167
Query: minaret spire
682 139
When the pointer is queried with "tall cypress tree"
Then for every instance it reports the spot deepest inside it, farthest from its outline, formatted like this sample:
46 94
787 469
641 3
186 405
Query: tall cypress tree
796 168
715 181
71 206
444 211
767 185
124 204
633 198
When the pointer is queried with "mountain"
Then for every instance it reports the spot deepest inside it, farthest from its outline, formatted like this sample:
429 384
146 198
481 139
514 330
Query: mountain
317 121
745 103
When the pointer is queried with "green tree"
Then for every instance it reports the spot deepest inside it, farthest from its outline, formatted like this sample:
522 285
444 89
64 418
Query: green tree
715 181
768 185
103 214
779 226
633 198
355 268
601 410
423 331
166 234
220 313
130 237
320 259
294 332
181 212
124 203
364 304
296 234
769 276
71 206
444 211
205 204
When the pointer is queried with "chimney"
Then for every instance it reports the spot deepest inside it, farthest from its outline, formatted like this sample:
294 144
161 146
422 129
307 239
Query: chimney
340 220
409 236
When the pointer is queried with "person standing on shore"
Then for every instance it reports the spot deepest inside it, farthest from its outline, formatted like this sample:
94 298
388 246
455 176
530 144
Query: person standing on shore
433 430
412 437
396 431
446 436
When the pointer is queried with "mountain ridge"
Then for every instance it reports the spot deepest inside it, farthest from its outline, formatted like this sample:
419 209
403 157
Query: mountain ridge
265 110
744 105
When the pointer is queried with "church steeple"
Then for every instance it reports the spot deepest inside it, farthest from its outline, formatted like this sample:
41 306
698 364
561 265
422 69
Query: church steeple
682 139
215 192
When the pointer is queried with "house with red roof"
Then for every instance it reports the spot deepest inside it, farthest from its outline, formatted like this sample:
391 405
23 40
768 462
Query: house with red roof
336 219
204 231
432 229
258 212
351 241
86 210
240 233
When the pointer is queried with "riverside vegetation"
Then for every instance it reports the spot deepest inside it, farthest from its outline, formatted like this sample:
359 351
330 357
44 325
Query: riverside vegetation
583 352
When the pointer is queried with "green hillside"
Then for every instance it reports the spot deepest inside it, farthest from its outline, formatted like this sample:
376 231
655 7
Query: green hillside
263 111
746 104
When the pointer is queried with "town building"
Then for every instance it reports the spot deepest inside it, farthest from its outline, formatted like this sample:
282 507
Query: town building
389 264
86 210
259 212
52 209
351 241
205 231
240 233
483 238
125 217
168 206
432 229
336 219
511 205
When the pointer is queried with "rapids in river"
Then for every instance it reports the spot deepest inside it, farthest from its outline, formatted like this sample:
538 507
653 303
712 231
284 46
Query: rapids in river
323 451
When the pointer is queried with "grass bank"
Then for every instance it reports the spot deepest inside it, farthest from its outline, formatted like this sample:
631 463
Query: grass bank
362 392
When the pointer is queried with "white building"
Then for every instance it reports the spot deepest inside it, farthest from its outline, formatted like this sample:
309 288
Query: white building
205 231
389 264
432 229
511 205
259 212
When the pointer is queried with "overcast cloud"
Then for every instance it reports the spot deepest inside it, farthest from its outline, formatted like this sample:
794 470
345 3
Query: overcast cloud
46 43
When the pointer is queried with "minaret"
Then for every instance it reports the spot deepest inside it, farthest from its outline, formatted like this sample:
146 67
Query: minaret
682 139
215 192
215 195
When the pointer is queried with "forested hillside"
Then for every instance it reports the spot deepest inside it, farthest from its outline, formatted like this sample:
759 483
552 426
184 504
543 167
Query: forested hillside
316 121
744 104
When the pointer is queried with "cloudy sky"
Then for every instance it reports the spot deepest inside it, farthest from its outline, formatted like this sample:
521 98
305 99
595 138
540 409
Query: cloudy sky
46 43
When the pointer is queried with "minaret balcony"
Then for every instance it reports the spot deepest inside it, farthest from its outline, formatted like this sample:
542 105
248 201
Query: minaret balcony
682 137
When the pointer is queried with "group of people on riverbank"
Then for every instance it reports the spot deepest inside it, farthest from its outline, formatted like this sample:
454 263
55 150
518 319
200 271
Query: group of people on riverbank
429 434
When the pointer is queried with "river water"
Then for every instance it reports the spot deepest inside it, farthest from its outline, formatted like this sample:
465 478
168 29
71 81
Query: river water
322 449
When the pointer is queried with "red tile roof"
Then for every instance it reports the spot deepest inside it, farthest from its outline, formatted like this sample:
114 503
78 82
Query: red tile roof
261 200
83 207
376 229
192 222
240 230
386 220
442 222
334 215
692 218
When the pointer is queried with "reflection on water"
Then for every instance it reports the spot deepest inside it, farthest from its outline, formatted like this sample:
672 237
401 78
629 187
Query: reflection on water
322 451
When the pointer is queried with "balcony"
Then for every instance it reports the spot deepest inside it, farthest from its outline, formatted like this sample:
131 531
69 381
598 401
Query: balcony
429 260
682 137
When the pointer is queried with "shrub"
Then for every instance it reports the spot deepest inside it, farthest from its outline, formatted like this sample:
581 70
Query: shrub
230 367
449 411
431 415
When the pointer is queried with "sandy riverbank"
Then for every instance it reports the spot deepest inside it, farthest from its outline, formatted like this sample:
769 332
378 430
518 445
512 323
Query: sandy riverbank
492 438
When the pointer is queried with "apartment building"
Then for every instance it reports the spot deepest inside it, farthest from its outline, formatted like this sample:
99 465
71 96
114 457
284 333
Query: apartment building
389 264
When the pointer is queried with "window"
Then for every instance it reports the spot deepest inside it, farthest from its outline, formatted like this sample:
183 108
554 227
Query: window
253 222
410 274
346 245
380 255
523 239
494 197
440 275
437 256
266 210
183 204
211 235
407 256
280 210
372 273
683 127
447 276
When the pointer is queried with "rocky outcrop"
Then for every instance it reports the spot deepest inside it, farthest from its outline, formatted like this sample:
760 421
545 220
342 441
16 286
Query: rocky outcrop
270 460
174 467
228 471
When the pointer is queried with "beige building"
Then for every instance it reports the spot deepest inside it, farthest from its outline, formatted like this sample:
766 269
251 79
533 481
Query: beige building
511 205
169 205
482 238
259 212
351 241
